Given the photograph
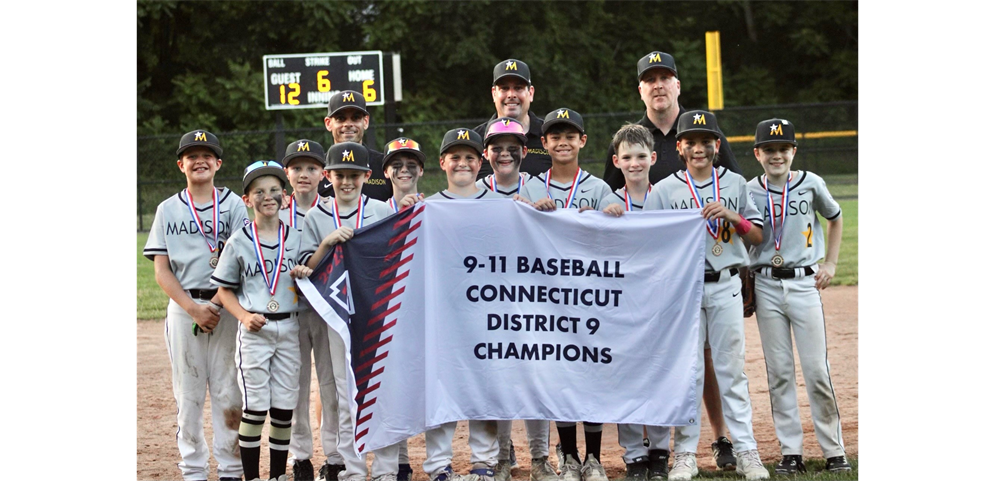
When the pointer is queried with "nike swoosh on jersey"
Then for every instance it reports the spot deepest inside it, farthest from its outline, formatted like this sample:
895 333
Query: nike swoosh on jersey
735 294
802 192
586 191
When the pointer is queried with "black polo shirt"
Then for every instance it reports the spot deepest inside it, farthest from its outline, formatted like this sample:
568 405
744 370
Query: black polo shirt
377 187
667 159
536 161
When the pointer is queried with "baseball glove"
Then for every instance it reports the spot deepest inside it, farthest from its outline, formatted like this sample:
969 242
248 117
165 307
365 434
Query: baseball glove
749 300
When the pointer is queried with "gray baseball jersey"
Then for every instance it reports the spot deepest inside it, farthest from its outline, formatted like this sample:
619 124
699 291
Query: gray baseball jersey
802 242
589 191
176 234
531 189
618 197
320 221
298 222
673 193
239 270
481 193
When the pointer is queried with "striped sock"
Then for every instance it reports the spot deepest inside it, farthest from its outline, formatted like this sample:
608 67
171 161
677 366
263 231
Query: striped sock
250 432
279 440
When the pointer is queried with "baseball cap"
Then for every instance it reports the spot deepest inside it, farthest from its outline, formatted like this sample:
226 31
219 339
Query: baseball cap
697 121
461 136
563 116
347 155
512 67
775 130
402 145
304 148
504 126
199 138
346 99
656 60
261 168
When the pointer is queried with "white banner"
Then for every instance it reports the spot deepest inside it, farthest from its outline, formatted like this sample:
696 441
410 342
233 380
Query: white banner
511 313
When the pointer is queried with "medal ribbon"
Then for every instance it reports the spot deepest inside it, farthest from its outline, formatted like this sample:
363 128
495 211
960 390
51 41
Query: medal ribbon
770 207
521 183
573 187
270 281
711 225
293 209
359 213
392 204
214 214
628 201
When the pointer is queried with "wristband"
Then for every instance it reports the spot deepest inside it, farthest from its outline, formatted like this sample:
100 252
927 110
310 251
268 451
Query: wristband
743 226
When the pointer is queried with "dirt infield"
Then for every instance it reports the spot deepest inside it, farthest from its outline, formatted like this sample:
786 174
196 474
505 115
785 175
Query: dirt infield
158 455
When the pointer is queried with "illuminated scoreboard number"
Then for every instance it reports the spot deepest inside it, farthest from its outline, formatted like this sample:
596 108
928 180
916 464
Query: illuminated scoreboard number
303 81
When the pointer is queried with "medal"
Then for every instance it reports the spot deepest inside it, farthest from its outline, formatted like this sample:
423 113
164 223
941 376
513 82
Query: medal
573 187
200 225
776 232
214 262
711 225
270 281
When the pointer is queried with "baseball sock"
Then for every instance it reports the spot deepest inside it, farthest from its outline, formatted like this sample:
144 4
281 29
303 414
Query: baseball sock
568 439
279 440
250 431
592 439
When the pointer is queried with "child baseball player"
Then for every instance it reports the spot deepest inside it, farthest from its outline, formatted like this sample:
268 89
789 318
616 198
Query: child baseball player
460 158
504 149
304 162
570 187
788 279
329 223
633 156
255 283
186 240
730 215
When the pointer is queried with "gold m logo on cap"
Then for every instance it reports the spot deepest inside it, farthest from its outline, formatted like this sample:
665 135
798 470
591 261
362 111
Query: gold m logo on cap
776 129
699 119
506 122
347 156
199 136
655 57
463 135
563 114
511 66
303 146
348 97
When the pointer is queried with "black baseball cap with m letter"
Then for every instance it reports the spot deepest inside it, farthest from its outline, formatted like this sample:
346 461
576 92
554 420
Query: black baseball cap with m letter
199 138
655 60
347 99
775 130
563 116
512 67
697 121
347 155
305 148
461 136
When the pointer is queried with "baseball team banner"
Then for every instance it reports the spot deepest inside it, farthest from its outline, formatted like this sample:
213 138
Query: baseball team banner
490 309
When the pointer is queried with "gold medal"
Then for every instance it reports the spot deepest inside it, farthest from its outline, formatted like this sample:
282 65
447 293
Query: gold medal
272 305
716 250
777 260
214 262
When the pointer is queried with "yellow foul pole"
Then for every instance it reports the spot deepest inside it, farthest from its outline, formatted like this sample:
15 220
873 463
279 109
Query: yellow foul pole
713 59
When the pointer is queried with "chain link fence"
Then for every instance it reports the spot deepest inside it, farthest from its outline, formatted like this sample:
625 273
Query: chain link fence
836 153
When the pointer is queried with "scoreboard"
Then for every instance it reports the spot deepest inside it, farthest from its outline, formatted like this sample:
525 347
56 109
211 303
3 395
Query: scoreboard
308 80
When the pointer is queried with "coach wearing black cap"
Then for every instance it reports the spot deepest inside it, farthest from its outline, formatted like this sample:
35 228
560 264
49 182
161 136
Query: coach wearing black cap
348 120
659 88
512 92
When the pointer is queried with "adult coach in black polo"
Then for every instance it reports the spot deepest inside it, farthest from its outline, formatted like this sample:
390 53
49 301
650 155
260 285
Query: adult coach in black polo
512 92
348 120
659 88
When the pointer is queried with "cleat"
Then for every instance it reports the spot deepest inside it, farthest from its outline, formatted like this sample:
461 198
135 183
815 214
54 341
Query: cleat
748 464
723 455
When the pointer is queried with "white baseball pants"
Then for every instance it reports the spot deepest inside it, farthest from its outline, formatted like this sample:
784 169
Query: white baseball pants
439 445
269 365
537 431
314 336
630 437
